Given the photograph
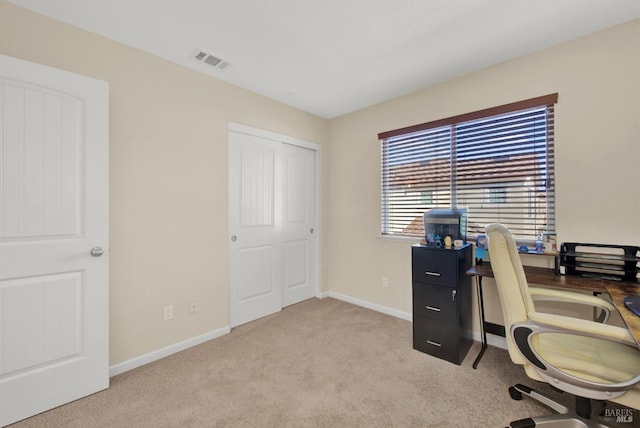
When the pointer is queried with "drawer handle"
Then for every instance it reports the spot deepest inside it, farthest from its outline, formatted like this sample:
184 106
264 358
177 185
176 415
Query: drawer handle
432 273
433 343
433 308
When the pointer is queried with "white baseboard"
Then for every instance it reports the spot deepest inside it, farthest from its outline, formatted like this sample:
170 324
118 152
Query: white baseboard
322 294
492 340
374 306
133 363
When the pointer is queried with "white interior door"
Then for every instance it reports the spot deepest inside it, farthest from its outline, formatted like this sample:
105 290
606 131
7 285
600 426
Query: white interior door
298 223
272 206
54 341
255 209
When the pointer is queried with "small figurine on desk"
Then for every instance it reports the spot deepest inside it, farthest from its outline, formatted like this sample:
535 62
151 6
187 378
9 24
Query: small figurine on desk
431 240
447 242
438 241
549 245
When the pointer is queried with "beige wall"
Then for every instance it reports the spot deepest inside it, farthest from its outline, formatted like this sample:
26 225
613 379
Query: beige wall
597 78
168 176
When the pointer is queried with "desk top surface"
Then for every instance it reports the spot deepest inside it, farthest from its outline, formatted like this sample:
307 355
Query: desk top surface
617 290
543 276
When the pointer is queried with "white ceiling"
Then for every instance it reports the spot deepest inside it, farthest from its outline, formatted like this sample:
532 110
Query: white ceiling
331 57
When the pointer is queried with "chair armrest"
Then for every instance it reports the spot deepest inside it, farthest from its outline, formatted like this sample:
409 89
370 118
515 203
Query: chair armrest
563 296
541 323
564 324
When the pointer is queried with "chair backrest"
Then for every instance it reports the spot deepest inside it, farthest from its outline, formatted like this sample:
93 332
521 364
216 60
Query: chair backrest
511 281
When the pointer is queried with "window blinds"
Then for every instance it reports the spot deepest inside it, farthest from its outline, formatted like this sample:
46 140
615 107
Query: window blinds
497 163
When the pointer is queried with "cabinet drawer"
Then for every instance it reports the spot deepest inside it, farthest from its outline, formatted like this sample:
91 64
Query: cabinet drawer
435 266
435 301
436 338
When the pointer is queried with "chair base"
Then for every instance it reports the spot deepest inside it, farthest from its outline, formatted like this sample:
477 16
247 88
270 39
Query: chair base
564 417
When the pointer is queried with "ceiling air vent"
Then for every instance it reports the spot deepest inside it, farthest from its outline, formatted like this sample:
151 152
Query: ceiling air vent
209 59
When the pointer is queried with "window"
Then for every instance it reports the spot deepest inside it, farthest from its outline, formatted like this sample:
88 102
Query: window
426 197
495 195
498 163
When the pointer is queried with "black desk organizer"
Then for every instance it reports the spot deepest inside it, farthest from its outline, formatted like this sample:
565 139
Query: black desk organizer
593 261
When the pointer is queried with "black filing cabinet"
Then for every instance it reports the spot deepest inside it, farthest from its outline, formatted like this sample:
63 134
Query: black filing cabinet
442 301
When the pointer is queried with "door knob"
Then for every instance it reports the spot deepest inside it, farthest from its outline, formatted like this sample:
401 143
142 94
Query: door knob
234 238
97 251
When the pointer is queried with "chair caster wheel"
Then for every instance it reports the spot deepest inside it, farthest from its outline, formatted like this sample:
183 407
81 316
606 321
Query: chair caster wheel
515 394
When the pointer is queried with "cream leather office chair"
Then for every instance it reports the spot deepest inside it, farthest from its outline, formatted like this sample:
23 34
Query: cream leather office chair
588 359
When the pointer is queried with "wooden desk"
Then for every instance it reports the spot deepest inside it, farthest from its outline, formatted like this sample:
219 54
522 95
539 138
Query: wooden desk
541 276
618 291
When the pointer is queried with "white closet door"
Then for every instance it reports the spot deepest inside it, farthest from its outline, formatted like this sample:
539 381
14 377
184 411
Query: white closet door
272 206
255 199
54 338
298 224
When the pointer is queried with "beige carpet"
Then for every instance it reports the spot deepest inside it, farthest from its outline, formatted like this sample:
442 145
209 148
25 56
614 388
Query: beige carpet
320 363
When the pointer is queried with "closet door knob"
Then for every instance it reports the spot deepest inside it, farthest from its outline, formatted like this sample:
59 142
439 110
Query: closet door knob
97 251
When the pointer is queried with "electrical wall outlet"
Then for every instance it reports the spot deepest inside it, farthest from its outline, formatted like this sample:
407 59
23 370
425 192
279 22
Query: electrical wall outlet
168 312
193 307
385 281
